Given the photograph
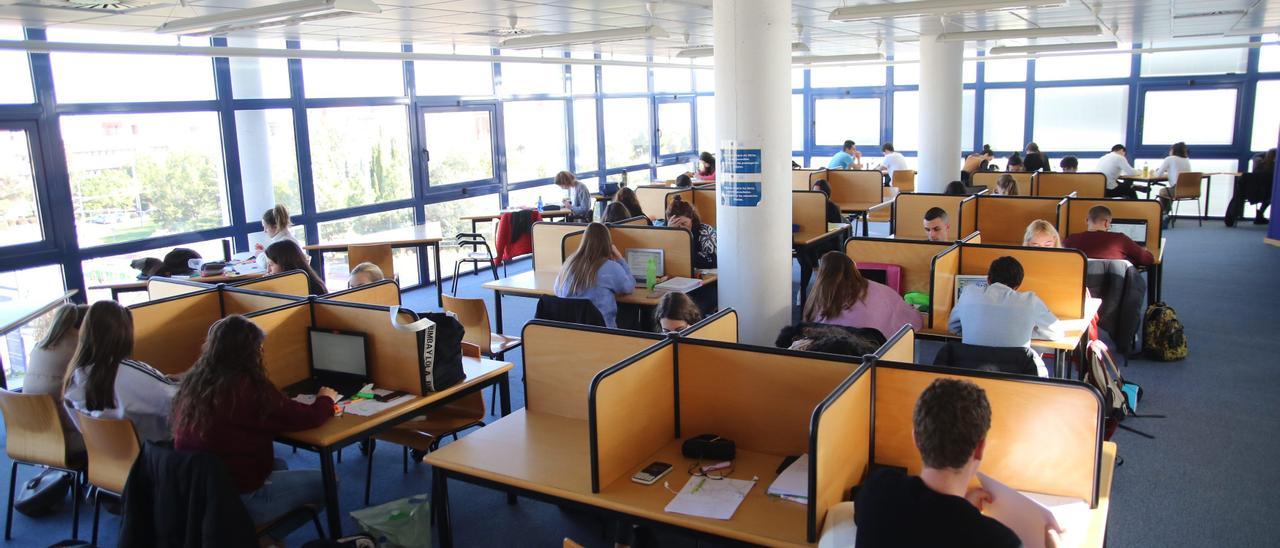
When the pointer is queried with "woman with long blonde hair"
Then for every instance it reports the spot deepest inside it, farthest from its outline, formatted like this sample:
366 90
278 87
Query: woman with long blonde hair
842 296
1041 234
597 272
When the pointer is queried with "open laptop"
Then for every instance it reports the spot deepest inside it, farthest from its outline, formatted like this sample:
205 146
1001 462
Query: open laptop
638 262
1135 229
965 281
339 360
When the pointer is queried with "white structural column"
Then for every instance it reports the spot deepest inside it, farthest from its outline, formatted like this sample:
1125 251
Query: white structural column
753 113
941 89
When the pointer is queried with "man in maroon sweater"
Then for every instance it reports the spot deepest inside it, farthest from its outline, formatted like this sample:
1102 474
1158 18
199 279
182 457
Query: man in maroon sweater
1099 243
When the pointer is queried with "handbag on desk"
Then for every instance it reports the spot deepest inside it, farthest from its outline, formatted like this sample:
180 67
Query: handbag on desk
439 344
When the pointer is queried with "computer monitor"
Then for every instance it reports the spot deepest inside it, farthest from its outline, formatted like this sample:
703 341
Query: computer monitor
1135 229
638 261
340 352
965 281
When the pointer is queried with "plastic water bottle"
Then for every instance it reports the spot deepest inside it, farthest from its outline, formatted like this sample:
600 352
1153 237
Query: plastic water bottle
651 274
1146 170
539 203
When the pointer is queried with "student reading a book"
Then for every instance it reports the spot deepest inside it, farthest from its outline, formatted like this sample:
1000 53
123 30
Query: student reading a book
365 274
275 223
229 408
682 214
1041 234
1098 242
841 296
286 256
999 315
937 225
596 272
937 508
675 312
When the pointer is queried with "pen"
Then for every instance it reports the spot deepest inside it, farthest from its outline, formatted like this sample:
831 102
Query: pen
698 486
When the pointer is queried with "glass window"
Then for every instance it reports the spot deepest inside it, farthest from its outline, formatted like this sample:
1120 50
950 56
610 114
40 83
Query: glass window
969 70
536 139
906 74
468 78
585 144
268 161
136 176
626 132
707 123
1083 67
118 78
1003 115
583 77
1215 61
797 121
622 79
117 269
1266 115
669 80
449 215
706 79
15 71
1167 118
1269 57
967 118
1005 70
1216 189
1080 118
671 171
460 145
405 260
675 127
40 283
906 120
532 78
258 77
846 76
351 78
797 77
21 222
550 193
841 119
359 155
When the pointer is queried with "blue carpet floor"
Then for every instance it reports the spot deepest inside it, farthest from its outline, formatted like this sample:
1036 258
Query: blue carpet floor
1205 480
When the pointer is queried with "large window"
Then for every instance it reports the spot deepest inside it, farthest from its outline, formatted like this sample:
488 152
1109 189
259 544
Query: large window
536 139
1084 67
675 127
1080 118
38 283
1266 116
836 120
474 78
135 176
351 78
1177 63
625 79
268 161
846 76
119 269
669 80
115 78
258 78
1269 57
532 78
1004 70
1003 117
459 146
21 220
626 132
585 141
582 77
336 269
1168 117
15 71
707 124
359 155
906 120
797 122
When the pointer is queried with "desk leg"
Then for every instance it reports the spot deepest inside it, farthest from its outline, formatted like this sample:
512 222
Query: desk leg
330 492
440 502
435 251
504 393
1060 363
866 224
497 310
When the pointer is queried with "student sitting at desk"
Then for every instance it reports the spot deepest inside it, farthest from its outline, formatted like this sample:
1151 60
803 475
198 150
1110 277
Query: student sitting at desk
684 181
936 508
937 225
627 198
615 212
1015 164
976 162
1041 234
597 272
105 383
1173 165
580 202
1006 185
365 274
675 312
841 296
1034 160
833 210
286 256
682 214
1069 164
1113 165
275 223
229 408
893 161
847 158
706 168
1099 243
998 315
47 367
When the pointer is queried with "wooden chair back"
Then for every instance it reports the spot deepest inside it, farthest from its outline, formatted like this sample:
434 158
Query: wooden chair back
905 180
112 446
33 430
474 317
378 254
856 186
1084 185
1187 187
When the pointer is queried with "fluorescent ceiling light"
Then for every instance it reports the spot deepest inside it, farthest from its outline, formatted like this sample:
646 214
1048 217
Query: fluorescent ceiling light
275 15
1253 31
826 59
1216 13
1043 48
708 51
863 12
1010 34
589 37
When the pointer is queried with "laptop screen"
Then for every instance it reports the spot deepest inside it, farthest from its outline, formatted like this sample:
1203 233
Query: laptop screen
338 352
965 281
1135 229
638 261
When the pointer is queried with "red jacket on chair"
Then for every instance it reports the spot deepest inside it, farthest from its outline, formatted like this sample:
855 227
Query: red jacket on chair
510 247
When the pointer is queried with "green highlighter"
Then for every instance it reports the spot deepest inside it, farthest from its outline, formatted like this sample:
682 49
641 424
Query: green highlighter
366 392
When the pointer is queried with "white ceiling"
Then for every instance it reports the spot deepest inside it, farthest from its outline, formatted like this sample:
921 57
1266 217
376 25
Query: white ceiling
462 22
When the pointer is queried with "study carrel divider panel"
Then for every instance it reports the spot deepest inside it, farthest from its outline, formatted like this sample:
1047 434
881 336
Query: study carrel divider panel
383 292
560 359
1076 218
653 199
1084 185
1045 437
802 179
809 212
632 413
293 282
704 200
685 194
159 287
547 237
909 209
394 355
236 300
901 347
945 266
677 244
856 185
721 326
286 349
989 178
1004 219
839 450
915 257
168 333
968 216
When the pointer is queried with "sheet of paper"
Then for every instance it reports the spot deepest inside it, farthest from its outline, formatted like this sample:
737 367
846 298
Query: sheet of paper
1072 515
1026 517
794 481
305 399
710 498
365 408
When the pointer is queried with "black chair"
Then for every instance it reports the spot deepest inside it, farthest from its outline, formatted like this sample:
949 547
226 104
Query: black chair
580 311
474 242
1017 360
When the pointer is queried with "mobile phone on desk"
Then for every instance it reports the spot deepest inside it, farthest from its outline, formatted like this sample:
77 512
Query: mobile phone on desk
652 473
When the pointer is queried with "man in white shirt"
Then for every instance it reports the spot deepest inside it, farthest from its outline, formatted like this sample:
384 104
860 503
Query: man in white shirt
1114 165
893 161
998 315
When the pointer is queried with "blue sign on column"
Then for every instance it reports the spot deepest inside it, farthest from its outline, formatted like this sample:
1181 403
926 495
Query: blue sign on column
739 178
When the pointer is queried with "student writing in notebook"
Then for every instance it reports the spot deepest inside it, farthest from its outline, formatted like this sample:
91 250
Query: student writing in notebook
1098 242
275 223
597 272
285 256
675 312
841 296
1000 315
937 508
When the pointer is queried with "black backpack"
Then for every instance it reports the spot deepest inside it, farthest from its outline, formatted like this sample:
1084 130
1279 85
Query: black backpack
1162 336
439 344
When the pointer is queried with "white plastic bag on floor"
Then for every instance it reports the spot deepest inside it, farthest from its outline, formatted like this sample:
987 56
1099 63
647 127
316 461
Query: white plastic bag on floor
404 522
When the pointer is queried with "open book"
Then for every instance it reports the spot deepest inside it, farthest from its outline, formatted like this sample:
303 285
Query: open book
1028 515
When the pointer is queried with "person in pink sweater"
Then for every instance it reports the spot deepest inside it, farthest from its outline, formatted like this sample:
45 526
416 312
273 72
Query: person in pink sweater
841 296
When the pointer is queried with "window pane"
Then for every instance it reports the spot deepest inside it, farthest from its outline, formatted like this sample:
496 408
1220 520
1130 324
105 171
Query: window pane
21 222
1083 67
359 155
1082 118
550 193
1005 70
535 136
268 161
1216 61
135 176
966 121
671 80
846 76
1269 57
582 77
453 77
797 122
841 119
15 70
969 70
83 77
618 79
674 123
797 77
626 132
351 78
906 74
40 283
1003 117
449 215
1217 192
1266 115
706 80
1166 118
586 145
258 78
671 171
117 269
707 123
460 146
906 120
531 78
405 260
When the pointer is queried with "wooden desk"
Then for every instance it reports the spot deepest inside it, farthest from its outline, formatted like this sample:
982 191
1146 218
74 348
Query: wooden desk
141 285
1075 334
490 217
538 283
15 314
546 457
801 244
342 431
421 236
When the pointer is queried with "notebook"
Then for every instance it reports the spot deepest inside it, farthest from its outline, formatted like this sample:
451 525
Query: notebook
710 498
792 483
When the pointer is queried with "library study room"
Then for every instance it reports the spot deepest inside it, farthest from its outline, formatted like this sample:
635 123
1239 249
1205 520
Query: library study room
627 273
